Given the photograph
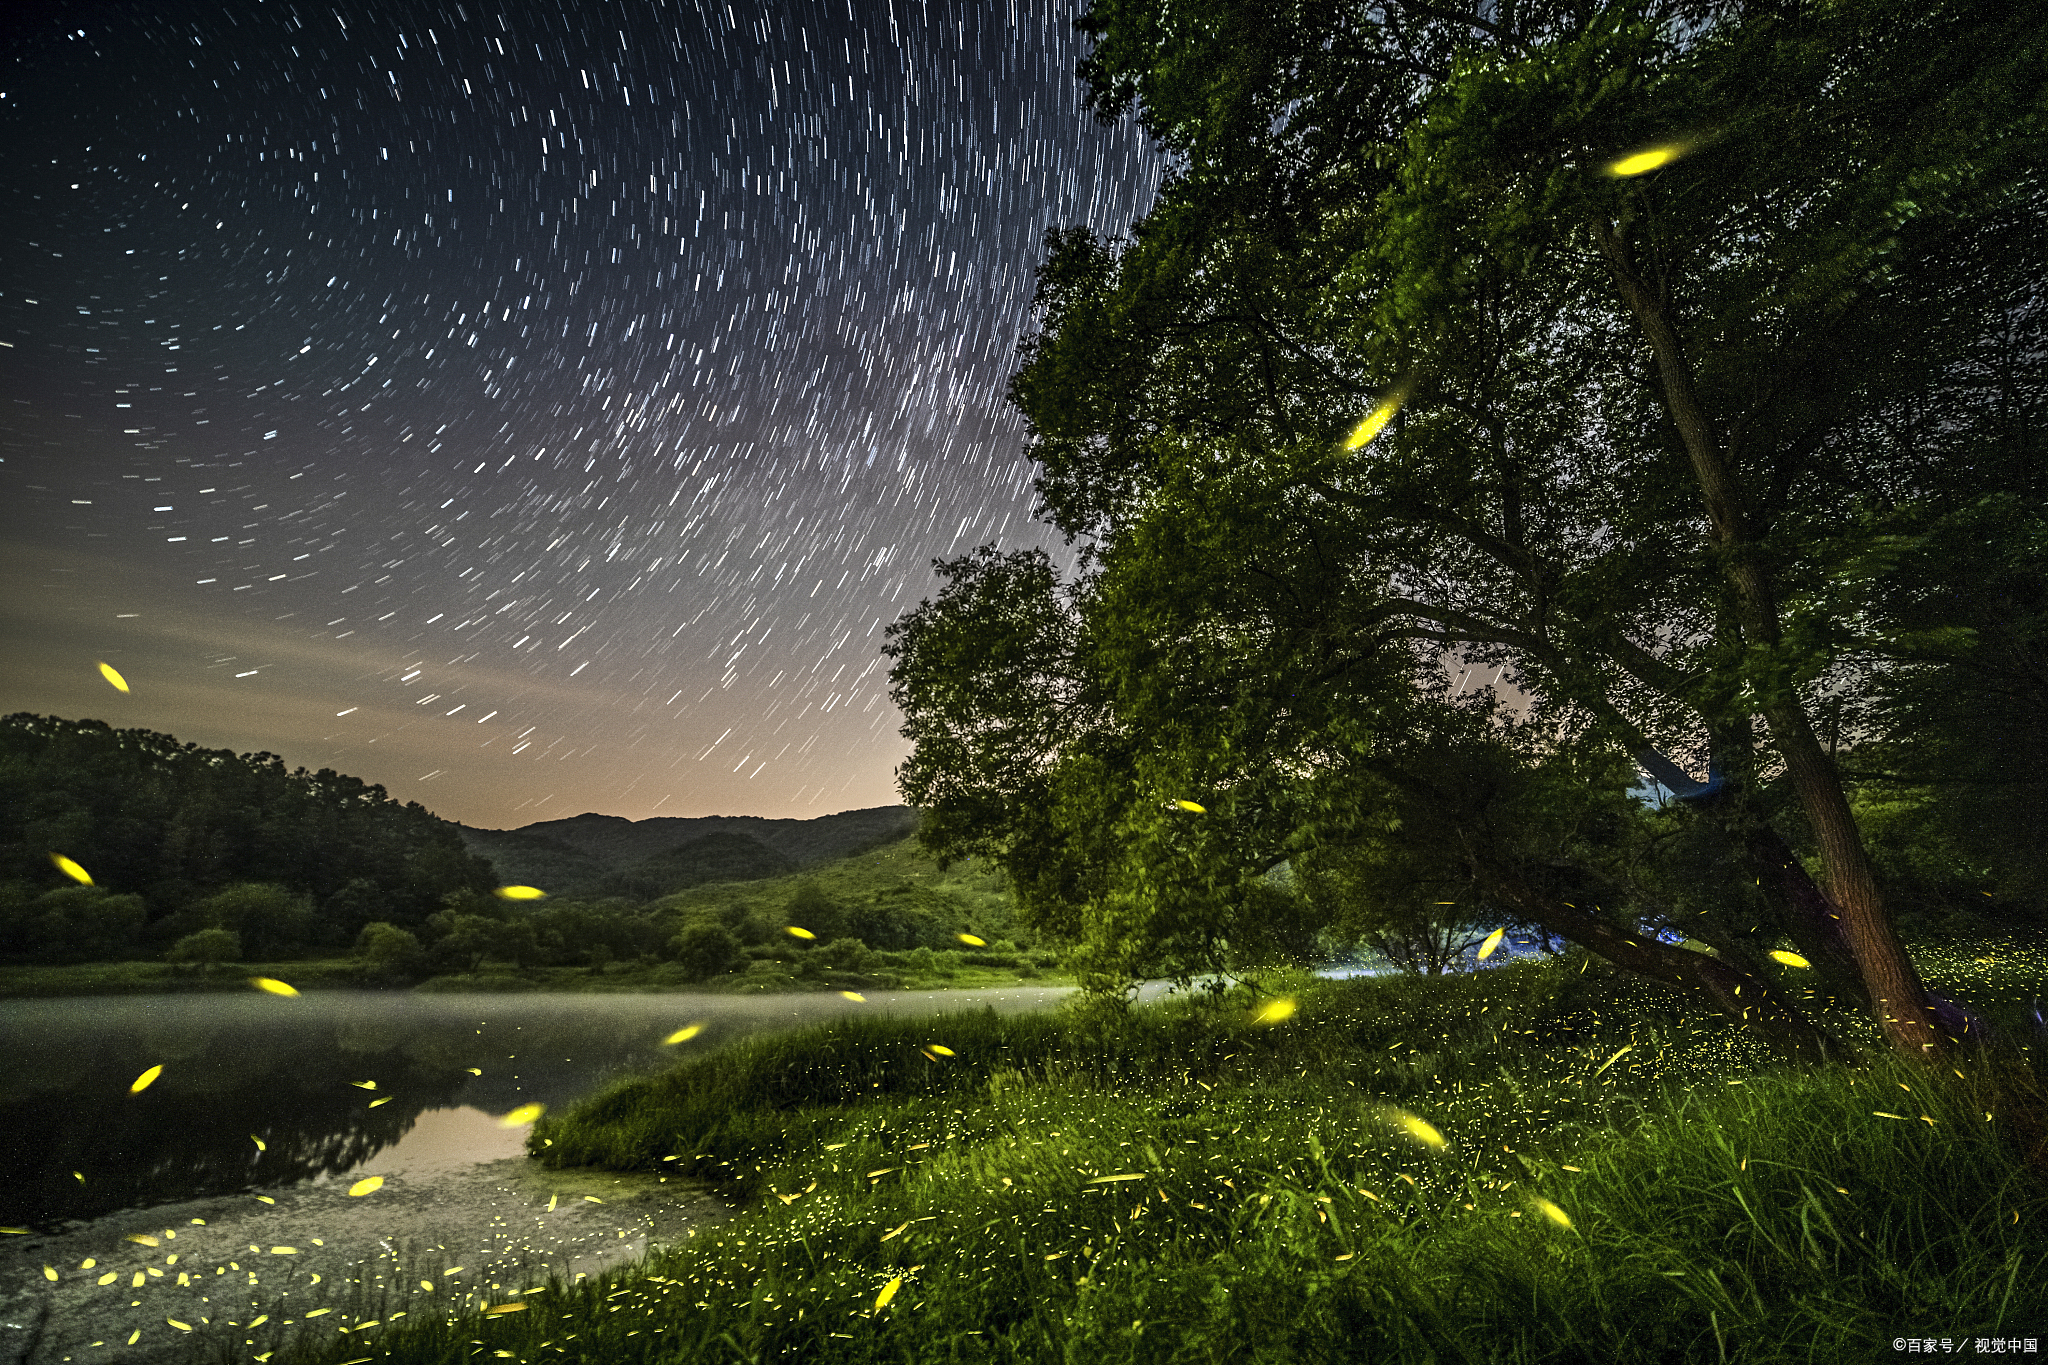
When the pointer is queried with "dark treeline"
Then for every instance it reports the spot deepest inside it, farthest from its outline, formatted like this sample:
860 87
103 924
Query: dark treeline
205 857
178 839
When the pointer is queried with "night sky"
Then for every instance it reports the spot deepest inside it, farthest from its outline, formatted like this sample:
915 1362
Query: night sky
531 408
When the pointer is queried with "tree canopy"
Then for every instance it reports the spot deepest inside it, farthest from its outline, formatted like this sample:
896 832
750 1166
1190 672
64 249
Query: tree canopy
1628 351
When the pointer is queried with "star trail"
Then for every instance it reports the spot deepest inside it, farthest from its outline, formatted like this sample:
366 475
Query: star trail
531 408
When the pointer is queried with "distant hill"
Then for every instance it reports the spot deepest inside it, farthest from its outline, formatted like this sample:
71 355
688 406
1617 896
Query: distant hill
642 859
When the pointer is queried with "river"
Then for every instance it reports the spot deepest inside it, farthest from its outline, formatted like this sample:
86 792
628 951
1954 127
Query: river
215 1199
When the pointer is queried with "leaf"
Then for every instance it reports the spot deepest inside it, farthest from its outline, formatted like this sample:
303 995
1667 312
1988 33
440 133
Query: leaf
146 1079
108 672
367 1185
270 985
71 869
519 893
1492 941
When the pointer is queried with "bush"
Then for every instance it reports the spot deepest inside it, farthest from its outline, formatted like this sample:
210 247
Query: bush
846 955
269 920
704 950
389 949
208 947
83 924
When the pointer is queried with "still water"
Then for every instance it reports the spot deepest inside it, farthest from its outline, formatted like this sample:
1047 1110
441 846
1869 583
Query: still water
261 1092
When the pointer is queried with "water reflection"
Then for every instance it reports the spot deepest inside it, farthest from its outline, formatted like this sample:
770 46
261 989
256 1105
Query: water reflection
259 1091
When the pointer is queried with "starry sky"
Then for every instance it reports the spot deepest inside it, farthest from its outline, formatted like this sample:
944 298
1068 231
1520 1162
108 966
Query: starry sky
533 408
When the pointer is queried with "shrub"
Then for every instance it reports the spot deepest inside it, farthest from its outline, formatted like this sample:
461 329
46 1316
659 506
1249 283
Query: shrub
207 948
390 949
705 950
270 920
846 955
84 924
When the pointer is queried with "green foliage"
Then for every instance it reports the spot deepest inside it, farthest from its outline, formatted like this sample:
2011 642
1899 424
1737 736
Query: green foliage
69 923
270 921
390 950
176 824
705 950
208 948
1395 206
1283 1215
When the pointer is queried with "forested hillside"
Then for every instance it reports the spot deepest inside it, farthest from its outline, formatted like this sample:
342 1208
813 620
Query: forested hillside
163 827
206 857
642 859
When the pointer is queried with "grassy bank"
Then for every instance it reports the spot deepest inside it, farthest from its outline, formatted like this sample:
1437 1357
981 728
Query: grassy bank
1616 1181
914 971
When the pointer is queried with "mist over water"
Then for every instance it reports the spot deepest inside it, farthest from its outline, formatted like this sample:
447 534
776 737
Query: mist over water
290 1074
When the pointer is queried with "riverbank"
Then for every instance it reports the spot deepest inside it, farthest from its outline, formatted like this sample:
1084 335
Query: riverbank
1527 1164
929 972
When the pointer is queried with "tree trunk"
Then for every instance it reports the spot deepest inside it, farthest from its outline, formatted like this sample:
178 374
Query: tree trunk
1749 1001
1897 996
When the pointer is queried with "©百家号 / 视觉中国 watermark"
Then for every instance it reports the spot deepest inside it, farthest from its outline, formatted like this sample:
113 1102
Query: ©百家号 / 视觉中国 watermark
1983 1346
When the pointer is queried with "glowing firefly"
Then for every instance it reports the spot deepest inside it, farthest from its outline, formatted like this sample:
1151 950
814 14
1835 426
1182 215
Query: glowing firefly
1645 161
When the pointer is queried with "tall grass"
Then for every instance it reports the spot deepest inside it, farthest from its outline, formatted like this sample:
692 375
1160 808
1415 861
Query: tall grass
1616 1181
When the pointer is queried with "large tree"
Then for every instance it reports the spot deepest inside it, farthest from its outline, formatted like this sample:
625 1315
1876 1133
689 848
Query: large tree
1664 309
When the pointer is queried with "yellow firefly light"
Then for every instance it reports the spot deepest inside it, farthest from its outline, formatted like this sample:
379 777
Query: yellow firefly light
794 932
971 941
855 996
146 1079
1551 1211
523 1115
1645 161
683 1034
367 1185
519 893
1492 941
1789 959
888 1293
270 985
1275 1012
1376 421
1421 1130
71 869
1190 805
108 672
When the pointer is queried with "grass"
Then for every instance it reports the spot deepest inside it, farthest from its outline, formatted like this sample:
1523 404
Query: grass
1617 1181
